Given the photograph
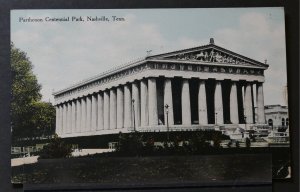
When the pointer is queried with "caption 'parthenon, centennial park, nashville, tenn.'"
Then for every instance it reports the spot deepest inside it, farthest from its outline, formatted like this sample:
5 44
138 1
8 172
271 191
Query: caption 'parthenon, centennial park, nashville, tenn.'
199 88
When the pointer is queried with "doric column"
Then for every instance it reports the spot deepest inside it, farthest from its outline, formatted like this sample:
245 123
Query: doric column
83 115
219 119
127 107
69 117
112 109
73 124
144 103
186 103
78 115
261 119
61 113
152 96
100 112
234 113
120 108
88 113
248 104
66 119
202 105
136 98
168 100
64 127
106 109
57 118
94 112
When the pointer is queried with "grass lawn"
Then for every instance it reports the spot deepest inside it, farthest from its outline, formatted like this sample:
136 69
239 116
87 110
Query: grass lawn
148 170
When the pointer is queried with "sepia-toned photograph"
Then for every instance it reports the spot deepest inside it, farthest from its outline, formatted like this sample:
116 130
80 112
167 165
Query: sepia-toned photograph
146 97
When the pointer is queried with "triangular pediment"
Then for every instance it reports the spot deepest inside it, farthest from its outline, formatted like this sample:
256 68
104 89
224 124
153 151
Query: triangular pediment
209 54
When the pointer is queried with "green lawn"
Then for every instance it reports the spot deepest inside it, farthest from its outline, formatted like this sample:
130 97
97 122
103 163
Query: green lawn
148 170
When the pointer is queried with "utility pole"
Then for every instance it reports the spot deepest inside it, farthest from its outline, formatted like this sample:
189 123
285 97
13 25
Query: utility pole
167 112
133 114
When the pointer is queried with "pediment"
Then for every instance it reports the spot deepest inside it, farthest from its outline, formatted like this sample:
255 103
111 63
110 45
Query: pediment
209 54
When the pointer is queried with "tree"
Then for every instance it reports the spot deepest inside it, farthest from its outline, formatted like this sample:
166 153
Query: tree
43 118
29 114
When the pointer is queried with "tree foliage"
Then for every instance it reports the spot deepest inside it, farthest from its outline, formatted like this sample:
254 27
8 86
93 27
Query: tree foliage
30 116
43 118
130 144
57 148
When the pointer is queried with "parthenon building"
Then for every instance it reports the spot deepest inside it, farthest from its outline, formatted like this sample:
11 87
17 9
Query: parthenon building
191 89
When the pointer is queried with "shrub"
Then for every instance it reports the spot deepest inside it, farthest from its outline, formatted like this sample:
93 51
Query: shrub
198 143
248 143
217 138
130 144
57 148
229 144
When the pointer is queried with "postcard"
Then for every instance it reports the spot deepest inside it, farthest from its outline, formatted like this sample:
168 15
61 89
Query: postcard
147 97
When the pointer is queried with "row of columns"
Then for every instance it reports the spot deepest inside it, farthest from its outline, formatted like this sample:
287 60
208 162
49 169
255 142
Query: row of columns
135 105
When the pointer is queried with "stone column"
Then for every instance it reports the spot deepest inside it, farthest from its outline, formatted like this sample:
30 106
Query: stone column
113 109
83 115
106 109
152 96
248 104
58 120
202 104
144 103
57 125
78 115
218 104
168 99
234 113
261 119
88 113
186 103
120 108
127 107
64 127
100 112
73 124
94 112
69 117
136 98
66 119
61 113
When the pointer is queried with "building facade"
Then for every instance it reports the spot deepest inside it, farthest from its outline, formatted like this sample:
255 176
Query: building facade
190 89
277 116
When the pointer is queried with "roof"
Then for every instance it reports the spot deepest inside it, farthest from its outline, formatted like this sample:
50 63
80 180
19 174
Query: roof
176 56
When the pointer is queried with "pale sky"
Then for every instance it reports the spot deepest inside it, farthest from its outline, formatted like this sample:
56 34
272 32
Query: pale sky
64 53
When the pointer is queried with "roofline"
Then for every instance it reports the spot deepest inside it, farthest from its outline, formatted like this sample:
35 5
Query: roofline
143 60
209 45
99 76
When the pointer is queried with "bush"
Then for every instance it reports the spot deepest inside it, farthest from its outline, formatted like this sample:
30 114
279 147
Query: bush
248 143
229 144
130 144
198 143
217 138
57 148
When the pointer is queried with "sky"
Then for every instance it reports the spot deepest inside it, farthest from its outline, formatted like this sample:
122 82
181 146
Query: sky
64 53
